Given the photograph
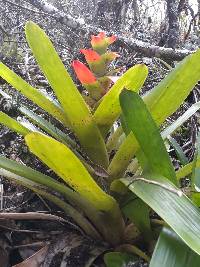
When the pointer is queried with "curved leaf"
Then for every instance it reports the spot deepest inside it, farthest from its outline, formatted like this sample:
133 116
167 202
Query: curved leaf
169 94
71 211
187 169
63 162
183 118
47 126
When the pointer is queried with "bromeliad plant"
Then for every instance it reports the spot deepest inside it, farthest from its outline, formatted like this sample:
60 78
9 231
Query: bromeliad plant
111 213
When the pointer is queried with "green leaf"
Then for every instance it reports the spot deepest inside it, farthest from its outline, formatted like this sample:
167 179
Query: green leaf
62 161
177 211
47 127
138 212
35 176
13 124
65 164
178 150
71 211
33 94
195 177
109 109
171 251
140 122
162 101
74 106
123 157
44 180
118 259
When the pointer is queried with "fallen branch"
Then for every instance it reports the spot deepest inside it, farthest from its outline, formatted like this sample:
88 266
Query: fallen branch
31 216
146 49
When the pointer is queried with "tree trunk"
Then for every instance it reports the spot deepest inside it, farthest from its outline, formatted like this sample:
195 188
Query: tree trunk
173 17
111 14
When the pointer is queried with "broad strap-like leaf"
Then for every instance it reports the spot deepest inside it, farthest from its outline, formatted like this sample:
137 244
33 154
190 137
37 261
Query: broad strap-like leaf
44 180
74 106
64 163
109 109
130 146
177 211
162 100
170 251
139 121
33 94
37 177
195 178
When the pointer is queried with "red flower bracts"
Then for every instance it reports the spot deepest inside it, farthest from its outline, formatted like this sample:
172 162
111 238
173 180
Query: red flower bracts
90 55
84 75
96 78
100 42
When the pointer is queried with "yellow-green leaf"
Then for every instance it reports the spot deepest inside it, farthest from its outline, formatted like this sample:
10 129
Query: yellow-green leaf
74 106
64 163
109 109
32 93
13 124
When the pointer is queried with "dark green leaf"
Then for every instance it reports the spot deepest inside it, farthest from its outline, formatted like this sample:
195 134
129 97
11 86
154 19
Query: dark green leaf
170 251
177 211
140 122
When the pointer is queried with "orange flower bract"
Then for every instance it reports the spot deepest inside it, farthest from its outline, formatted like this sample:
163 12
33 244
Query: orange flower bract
83 73
90 55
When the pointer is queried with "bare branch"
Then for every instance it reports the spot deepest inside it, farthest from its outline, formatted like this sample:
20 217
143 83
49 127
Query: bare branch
146 49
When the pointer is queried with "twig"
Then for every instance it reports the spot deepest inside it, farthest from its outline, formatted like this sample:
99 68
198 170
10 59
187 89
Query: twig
170 189
190 26
35 244
19 230
26 8
31 216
